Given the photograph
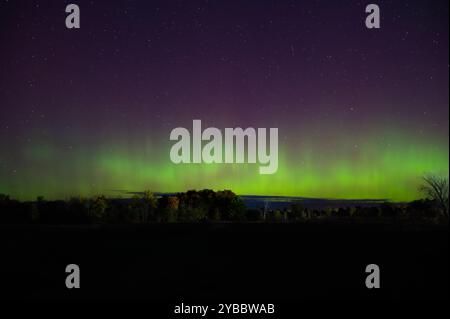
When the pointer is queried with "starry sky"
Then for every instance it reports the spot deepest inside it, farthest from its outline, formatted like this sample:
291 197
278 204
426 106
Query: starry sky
360 113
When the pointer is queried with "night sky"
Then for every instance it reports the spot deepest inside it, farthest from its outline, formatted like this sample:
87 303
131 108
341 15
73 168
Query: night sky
361 113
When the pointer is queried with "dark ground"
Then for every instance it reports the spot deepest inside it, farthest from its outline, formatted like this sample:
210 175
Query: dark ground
224 262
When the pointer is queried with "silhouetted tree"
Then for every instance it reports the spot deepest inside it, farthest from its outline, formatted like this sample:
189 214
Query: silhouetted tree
172 208
168 208
98 207
436 188
230 205
191 207
150 204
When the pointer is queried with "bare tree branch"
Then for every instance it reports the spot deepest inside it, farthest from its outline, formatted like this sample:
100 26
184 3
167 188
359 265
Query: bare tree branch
436 188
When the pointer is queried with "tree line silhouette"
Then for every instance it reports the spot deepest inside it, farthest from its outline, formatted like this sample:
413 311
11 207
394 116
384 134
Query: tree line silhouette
202 206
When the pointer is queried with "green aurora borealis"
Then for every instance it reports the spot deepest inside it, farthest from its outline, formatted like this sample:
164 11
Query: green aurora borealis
362 171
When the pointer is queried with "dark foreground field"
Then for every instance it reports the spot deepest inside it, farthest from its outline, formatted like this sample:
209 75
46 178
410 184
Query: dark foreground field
224 262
